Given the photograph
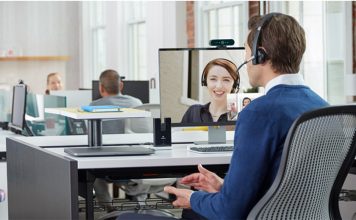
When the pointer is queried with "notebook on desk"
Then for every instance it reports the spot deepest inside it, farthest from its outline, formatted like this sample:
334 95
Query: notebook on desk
109 151
101 108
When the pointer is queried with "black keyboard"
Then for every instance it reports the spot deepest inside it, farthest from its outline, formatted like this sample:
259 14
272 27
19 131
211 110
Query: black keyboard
211 148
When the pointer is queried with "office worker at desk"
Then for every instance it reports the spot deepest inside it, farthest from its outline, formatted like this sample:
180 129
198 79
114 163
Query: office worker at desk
274 50
110 87
54 82
220 77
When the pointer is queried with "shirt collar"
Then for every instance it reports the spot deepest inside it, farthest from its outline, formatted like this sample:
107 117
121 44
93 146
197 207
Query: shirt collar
286 79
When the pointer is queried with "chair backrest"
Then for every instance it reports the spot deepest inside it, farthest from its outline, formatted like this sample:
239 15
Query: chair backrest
318 152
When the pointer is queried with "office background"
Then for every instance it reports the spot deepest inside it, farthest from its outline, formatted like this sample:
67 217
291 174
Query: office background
87 37
80 39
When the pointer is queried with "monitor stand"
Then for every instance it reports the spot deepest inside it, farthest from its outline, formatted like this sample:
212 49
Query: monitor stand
27 130
216 135
95 142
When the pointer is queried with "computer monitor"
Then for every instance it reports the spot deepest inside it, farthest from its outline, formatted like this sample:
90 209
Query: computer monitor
180 74
32 107
74 98
18 110
136 88
95 90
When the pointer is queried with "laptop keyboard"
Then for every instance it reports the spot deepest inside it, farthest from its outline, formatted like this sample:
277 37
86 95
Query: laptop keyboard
211 148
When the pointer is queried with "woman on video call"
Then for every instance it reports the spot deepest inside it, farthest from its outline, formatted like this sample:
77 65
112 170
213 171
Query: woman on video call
221 78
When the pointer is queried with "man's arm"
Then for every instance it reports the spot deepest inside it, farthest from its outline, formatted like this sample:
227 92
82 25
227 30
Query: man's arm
255 145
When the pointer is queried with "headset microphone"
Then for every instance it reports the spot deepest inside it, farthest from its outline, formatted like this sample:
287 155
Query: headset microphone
238 69
242 64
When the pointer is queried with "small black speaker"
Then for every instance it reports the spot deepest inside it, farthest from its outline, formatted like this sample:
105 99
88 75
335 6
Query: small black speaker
162 135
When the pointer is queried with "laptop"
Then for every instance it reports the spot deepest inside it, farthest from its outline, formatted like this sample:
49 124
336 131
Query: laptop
109 151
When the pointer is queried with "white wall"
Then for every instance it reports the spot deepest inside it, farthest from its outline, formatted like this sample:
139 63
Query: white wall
42 29
165 28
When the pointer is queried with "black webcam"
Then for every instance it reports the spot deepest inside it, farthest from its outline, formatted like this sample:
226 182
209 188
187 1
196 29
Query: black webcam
221 42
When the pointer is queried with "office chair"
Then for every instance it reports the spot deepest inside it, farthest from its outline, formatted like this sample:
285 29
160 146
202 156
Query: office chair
318 153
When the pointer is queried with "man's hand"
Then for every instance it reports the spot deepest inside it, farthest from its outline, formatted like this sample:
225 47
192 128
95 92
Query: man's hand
204 180
183 196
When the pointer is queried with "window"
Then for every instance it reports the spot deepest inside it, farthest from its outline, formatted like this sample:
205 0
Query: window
222 20
93 41
97 37
324 63
135 18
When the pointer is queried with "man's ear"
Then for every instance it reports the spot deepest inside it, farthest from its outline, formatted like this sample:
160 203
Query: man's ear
121 86
101 89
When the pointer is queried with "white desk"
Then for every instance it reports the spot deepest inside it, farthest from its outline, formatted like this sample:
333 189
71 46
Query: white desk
45 182
3 135
178 156
94 119
3 173
110 139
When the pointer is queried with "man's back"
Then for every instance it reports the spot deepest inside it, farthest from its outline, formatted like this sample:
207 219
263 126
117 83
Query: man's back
260 133
125 101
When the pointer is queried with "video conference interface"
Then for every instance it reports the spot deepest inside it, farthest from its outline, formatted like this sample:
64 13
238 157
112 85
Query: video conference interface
180 77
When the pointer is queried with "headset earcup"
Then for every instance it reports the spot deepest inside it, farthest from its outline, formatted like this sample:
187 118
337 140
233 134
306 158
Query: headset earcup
261 56
203 82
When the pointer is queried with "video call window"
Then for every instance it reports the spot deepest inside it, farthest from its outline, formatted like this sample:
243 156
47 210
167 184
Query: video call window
180 79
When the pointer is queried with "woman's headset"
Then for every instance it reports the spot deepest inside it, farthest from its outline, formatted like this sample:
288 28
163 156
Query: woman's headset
235 86
259 54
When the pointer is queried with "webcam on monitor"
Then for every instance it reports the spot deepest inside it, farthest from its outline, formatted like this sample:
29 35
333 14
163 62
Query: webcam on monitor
221 42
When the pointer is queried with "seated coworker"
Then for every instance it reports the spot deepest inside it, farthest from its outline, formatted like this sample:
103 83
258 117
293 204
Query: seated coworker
110 86
220 77
54 82
261 127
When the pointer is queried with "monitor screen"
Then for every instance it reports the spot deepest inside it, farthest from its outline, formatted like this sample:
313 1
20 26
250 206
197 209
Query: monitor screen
180 72
18 107
32 105
95 94
74 98
136 88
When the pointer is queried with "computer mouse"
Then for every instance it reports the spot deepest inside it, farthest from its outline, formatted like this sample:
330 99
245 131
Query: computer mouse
171 197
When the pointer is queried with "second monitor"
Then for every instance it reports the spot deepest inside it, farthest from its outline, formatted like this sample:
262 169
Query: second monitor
136 88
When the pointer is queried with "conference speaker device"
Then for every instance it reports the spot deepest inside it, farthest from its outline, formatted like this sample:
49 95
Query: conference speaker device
162 135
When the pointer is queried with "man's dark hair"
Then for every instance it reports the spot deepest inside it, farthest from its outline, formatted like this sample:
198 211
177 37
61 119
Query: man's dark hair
253 21
283 39
110 80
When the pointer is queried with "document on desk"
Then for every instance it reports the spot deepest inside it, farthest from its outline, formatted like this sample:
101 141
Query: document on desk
126 150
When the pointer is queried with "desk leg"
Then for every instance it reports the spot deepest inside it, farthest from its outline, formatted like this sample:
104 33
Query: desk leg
89 196
94 133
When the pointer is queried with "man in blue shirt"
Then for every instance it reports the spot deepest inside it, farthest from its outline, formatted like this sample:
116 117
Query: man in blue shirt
274 50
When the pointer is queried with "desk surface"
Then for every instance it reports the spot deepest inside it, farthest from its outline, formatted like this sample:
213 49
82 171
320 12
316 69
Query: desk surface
177 156
3 135
111 139
76 113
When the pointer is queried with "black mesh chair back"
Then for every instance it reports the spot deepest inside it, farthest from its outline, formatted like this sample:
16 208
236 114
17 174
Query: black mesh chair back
318 153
